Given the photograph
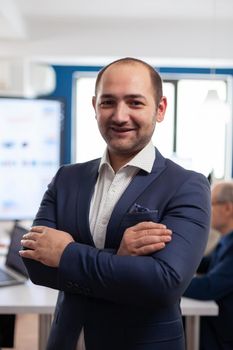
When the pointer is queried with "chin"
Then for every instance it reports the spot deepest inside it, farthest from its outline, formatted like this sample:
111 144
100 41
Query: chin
124 147
125 151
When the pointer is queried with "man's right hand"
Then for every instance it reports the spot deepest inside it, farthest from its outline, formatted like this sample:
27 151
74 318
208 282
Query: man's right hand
144 238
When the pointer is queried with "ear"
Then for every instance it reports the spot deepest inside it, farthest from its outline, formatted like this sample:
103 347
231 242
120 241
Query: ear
94 104
161 109
94 101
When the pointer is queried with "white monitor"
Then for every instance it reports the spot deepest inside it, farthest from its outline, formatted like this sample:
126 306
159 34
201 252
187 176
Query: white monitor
30 145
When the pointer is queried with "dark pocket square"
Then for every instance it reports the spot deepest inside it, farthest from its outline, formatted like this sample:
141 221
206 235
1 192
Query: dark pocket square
134 217
137 208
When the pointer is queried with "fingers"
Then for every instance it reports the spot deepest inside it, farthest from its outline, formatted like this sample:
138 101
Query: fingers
29 253
149 249
144 230
45 244
37 229
147 225
160 234
144 238
30 239
147 243
28 243
151 238
31 235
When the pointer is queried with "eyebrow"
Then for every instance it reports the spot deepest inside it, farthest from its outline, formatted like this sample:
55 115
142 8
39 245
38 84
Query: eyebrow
126 96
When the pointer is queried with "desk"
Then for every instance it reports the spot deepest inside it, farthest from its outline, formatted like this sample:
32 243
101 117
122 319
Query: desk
29 298
192 310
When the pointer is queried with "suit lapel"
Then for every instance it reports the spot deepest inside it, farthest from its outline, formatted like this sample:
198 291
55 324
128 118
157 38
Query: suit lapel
87 184
137 186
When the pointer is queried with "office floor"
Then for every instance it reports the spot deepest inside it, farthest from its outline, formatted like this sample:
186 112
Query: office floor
26 332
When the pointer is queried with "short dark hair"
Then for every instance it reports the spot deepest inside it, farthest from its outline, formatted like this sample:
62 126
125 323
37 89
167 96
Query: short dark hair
155 77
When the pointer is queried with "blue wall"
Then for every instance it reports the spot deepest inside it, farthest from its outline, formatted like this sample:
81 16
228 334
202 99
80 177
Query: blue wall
64 86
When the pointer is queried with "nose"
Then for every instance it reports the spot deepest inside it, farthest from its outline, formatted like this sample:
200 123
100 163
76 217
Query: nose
120 112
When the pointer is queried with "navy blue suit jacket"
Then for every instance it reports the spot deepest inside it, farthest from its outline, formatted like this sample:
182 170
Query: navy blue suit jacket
216 283
123 302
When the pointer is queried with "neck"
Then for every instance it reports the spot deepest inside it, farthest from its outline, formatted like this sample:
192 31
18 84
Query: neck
118 161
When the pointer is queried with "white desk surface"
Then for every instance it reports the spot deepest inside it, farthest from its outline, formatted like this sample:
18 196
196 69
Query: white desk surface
29 298
192 307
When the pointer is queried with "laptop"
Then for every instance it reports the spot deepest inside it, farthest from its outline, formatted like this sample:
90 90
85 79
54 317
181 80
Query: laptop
14 271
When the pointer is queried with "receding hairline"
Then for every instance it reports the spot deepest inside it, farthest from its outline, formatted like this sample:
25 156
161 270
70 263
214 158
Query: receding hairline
156 80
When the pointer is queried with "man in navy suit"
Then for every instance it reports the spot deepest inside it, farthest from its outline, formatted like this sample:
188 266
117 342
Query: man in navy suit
215 274
120 237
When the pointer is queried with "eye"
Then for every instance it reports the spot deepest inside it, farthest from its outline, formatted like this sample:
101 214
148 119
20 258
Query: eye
136 103
107 103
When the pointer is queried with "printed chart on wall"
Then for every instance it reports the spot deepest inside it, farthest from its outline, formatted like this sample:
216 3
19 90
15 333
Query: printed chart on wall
30 136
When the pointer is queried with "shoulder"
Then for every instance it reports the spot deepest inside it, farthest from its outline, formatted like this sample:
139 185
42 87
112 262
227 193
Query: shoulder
69 169
73 173
186 173
177 174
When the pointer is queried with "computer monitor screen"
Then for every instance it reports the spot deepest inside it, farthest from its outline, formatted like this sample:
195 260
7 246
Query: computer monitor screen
30 148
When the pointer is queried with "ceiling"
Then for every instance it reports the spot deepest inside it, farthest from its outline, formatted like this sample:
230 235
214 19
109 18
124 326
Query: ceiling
74 28
65 10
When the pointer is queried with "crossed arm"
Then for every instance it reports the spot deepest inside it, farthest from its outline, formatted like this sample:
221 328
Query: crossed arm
47 245
141 263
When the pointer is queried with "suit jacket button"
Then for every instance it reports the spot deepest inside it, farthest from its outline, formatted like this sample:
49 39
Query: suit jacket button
69 284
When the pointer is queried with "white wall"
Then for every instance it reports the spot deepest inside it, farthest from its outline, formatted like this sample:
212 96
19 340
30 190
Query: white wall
169 42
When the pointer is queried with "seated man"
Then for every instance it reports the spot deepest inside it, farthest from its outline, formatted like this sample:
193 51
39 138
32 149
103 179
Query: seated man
215 274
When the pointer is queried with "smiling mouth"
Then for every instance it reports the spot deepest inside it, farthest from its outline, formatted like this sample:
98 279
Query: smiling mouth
121 130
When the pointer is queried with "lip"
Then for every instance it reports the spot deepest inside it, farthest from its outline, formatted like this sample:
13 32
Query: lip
121 130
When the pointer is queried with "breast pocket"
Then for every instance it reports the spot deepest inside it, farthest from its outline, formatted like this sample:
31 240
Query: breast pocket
132 219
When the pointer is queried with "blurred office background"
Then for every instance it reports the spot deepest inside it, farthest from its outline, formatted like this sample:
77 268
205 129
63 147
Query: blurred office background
50 53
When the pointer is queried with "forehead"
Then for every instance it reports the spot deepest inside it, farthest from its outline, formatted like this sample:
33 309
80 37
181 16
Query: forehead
131 76
215 191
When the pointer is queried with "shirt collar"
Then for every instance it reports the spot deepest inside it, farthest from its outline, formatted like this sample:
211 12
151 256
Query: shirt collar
143 160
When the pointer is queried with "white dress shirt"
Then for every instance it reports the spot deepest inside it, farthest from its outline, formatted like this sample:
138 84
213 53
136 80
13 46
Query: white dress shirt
108 190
